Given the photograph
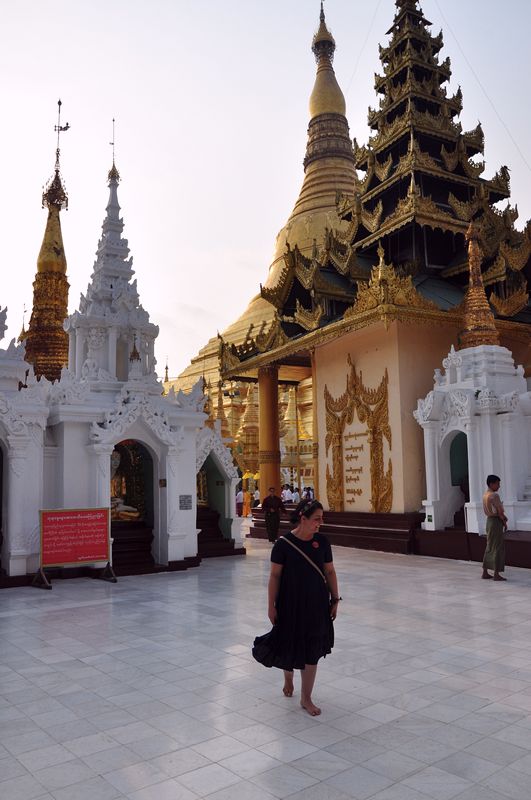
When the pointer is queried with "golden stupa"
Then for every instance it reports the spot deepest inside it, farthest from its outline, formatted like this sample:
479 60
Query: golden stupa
328 170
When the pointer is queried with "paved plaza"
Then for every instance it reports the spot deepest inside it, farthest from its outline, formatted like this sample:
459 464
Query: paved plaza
147 689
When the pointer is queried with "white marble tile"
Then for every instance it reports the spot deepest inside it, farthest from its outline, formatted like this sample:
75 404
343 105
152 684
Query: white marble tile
250 763
283 781
136 776
359 782
166 790
24 787
207 780
287 749
437 783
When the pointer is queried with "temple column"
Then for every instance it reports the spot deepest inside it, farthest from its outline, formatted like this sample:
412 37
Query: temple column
315 431
71 350
112 340
80 350
268 434
475 517
15 545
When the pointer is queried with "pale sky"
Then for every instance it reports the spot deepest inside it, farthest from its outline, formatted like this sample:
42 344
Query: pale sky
210 99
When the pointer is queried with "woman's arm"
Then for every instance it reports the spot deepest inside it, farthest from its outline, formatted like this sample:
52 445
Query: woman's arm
272 591
331 579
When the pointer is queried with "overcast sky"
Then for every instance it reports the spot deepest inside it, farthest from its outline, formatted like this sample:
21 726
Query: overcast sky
211 99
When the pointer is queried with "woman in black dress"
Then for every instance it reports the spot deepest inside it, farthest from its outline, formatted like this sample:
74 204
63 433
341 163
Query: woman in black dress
303 599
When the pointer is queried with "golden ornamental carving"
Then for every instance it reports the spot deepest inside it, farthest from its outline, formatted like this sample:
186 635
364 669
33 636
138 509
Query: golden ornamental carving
496 272
309 320
511 305
382 170
227 356
372 409
516 257
386 288
371 219
462 210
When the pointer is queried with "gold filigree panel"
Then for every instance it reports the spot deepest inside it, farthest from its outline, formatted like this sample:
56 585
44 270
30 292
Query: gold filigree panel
371 407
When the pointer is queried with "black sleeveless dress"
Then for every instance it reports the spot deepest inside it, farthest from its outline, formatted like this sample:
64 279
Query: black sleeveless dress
304 632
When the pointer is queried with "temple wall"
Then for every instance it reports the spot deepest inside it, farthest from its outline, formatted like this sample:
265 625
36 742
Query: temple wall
367 472
421 349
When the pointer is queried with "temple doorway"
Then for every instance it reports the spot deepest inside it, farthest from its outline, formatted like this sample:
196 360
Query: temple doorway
2 490
459 474
132 506
213 515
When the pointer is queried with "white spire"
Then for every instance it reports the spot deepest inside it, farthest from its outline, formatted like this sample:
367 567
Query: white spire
110 318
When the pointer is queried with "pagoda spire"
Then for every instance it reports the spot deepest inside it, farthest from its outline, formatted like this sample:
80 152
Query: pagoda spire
480 328
326 97
328 131
46 340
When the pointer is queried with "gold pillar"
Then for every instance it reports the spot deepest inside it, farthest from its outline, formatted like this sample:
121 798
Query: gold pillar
268 435
315 433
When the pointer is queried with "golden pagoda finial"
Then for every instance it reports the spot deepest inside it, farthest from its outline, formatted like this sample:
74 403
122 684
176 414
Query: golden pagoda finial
326 97
113 174
480 328
166 379
54 193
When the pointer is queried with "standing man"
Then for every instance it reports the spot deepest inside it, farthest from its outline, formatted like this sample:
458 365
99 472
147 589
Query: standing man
272 506
286 494
496 526
239 502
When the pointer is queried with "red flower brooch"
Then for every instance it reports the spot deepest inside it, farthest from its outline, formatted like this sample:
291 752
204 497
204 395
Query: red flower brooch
315 544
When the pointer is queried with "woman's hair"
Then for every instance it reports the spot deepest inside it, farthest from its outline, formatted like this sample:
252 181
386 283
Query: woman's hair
305 509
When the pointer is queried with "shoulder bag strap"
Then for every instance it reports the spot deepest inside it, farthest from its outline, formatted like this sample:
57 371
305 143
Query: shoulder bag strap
308 559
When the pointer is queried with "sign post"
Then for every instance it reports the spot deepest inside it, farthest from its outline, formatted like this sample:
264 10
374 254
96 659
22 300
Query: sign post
72 537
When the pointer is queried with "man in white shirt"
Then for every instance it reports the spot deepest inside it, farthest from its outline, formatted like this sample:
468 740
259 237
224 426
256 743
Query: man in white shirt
239 503
295 497
286 495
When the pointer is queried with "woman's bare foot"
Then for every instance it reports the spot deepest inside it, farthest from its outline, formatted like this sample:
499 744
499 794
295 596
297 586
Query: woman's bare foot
310 707
486 575
288 686
499 578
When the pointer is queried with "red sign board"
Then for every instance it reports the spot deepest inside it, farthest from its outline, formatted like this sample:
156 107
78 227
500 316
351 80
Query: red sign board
74 536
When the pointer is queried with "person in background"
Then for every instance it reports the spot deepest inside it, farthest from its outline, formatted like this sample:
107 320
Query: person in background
295 497
239 502
256 497
272 506
246 503
494 558
286 495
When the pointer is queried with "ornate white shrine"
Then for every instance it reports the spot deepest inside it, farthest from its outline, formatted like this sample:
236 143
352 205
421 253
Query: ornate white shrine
481 394
57 438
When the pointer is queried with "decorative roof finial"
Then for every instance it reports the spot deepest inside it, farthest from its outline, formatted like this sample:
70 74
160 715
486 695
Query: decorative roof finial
54 193
166 379
323 42
135 355
22 334
480 328
113 175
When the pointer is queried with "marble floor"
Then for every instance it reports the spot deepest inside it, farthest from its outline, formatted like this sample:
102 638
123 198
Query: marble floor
146 689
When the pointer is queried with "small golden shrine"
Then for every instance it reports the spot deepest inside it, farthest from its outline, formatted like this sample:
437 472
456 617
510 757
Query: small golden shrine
46 340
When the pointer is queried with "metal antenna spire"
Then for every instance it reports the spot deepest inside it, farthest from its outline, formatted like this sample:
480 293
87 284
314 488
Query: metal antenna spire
59 129
113 140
